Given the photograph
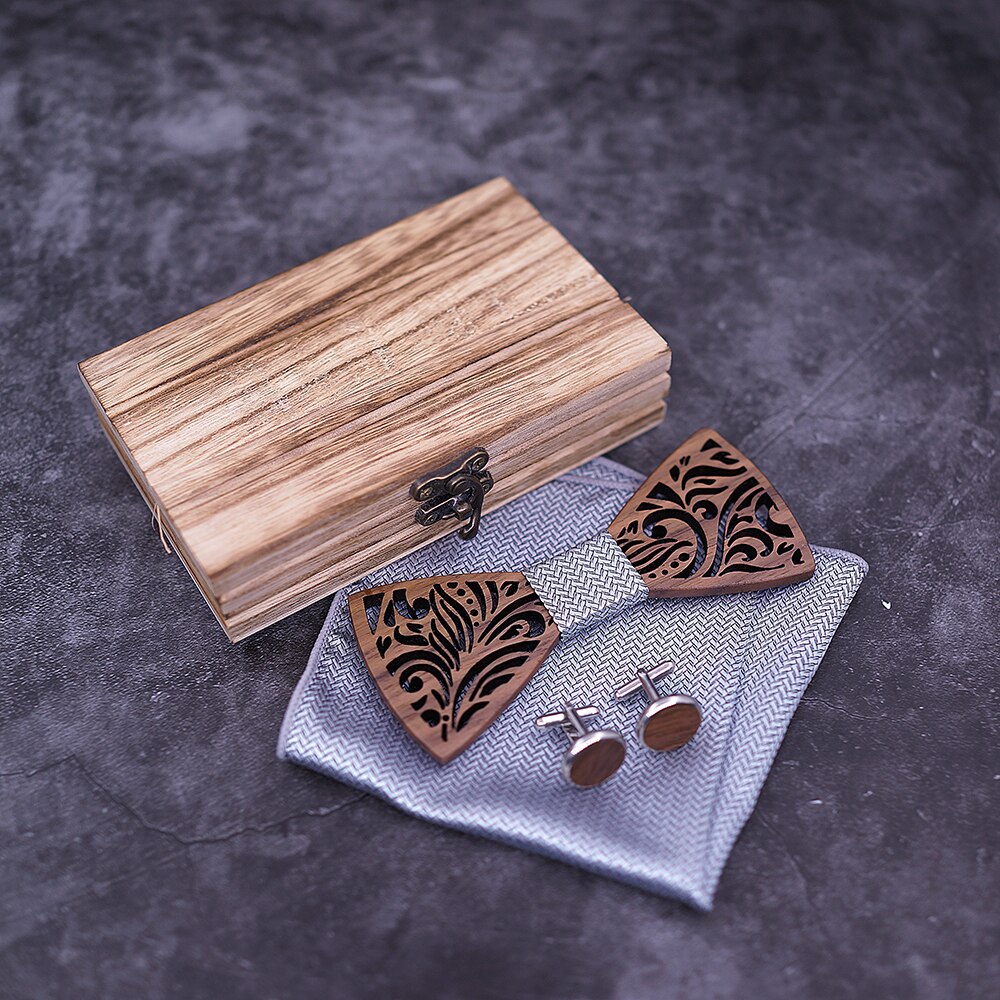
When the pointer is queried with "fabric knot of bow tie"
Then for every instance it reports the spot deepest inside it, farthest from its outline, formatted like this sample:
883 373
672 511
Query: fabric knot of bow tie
449 653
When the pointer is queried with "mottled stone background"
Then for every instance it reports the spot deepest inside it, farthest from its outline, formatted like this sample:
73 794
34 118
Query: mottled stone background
801 196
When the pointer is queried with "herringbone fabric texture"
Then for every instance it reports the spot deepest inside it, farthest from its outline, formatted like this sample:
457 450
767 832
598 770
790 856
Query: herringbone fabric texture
666 821
588 584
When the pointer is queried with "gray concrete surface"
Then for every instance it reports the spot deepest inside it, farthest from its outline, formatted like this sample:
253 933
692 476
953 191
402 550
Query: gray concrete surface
801 196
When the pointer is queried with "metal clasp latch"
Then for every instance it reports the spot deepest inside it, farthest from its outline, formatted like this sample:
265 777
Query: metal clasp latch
454 490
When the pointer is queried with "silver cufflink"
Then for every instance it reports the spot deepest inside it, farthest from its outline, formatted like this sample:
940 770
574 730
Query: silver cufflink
594 755
666 723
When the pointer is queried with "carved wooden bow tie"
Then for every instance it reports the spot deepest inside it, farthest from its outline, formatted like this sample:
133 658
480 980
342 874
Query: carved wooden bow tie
449 653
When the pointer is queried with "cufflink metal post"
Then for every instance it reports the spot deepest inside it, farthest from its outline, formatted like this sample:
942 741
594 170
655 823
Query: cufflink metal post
594 755
667 722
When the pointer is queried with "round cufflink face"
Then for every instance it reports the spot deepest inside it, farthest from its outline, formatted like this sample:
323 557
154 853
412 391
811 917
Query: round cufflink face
593 758
668 723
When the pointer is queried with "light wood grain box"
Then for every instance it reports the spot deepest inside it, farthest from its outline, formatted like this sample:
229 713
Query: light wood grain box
276 433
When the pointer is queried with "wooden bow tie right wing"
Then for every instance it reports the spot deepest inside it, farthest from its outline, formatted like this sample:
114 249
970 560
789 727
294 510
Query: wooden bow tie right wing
708 521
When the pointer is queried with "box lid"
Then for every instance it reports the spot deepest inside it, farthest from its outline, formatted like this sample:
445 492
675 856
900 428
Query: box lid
276 433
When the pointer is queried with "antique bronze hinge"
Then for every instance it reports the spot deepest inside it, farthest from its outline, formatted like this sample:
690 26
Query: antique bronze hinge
454 490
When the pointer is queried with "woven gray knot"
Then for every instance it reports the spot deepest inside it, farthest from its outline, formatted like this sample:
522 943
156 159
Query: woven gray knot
590 583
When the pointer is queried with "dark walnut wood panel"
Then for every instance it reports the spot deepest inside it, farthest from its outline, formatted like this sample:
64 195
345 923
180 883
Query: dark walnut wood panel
449 654
708 521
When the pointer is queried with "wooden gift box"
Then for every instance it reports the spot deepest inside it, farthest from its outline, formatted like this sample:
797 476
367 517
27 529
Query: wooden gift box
277 434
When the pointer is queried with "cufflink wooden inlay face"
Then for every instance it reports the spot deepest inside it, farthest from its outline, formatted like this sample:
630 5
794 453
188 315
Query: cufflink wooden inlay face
594 755
666 723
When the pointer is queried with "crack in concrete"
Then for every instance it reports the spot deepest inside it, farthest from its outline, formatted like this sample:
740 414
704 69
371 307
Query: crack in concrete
913 529
31 772
184 843
880 335
816 910
816 700
100 788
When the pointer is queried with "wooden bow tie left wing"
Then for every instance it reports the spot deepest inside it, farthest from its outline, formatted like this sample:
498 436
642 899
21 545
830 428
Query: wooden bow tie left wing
448 654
